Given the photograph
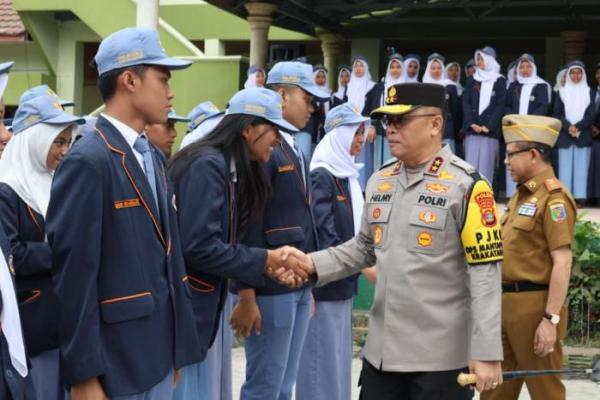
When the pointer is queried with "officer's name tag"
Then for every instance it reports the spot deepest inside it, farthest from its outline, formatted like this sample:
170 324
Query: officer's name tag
527 209
127 203
381 198
286 168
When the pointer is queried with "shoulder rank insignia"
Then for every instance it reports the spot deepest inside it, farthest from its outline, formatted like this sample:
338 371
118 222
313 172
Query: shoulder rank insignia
552 185
435 165
558 213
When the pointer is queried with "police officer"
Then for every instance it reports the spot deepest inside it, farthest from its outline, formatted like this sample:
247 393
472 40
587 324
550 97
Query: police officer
430 224
537 232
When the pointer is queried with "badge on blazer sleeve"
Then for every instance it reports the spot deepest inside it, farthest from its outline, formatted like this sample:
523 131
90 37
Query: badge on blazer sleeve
481 236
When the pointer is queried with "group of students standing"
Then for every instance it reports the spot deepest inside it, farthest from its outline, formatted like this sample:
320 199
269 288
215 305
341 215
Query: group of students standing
122 269
475 110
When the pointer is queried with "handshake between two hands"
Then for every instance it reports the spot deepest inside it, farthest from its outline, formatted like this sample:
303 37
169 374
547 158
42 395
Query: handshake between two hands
289 266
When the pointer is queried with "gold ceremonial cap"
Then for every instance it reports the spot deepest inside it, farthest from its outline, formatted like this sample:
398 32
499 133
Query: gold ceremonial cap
530 128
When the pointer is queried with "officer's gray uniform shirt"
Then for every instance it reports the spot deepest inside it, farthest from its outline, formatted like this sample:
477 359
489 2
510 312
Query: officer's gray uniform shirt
432 310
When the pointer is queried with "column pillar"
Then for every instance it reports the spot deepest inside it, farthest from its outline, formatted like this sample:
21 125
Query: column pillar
573 44
214 47
259 18
332 45
147 14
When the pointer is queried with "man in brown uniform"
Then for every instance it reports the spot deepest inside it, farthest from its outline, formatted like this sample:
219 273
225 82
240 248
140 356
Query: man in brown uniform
537 232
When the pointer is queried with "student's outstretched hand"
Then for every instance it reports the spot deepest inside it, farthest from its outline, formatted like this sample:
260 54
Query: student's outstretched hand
289 266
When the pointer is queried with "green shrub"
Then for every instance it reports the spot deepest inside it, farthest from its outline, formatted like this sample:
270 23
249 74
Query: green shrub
584 289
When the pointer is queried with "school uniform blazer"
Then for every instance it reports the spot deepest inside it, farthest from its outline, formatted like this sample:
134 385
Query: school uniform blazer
584 125
317 120
12 385
538 101
126 314
288 218
332 208
491 117
208 226
32 260
453 109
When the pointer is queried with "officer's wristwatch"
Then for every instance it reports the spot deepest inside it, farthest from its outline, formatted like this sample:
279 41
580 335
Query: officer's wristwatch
553 318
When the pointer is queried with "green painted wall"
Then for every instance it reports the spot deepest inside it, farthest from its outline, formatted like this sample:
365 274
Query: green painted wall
203 21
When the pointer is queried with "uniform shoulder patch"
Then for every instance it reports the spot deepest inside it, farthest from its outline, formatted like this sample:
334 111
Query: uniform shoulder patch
481 237
552 185
558 212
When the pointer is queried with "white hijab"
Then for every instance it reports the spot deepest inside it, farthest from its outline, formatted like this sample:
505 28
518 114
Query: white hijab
559 78
23 164
341 89
201 131
359 87
324 87
333 154
389 79
405 77
528 85
251 80
487 77
511 75
442 80
459 86
10 320
575 97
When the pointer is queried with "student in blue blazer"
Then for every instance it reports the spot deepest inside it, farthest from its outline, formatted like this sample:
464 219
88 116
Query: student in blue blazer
527 95
226 165
326 362
42 135
14 379
484 103
273 352
126 321
574 107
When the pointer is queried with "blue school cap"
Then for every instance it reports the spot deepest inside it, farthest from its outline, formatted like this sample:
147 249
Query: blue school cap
6 66
262 103
201 113
46 109
344 114
41 90
172 116
134 46
296 73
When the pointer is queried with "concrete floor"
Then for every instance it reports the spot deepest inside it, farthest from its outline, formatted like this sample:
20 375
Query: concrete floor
576 389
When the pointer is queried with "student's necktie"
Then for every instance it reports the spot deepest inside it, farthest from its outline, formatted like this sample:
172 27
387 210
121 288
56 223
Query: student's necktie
141 145
301 158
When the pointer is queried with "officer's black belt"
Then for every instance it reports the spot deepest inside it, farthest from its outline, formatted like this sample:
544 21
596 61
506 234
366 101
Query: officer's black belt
515 287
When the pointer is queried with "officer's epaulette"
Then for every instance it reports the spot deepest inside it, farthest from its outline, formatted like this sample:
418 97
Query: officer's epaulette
389 163
391 168
462 164
552 185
